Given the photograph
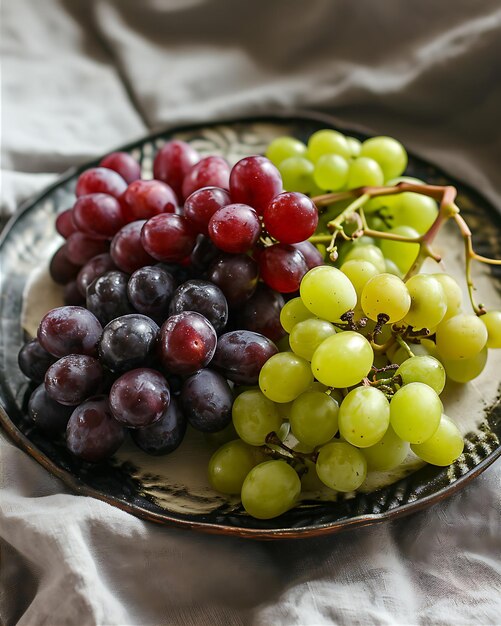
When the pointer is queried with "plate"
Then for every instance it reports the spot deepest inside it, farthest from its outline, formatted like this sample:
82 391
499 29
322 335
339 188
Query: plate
173 490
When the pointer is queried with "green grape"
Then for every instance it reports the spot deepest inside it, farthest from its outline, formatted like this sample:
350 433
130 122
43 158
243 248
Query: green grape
254 417
283 344
292 313
297 174
364 172
310 480
342 360
306 336
270 489
354 145
423 369
364 416
384 204
387 453
284 409
369 253
284 377
327 142
464 370
359 272
415 210
492 321
388 152
283 148
443 447
229 466
313 418
405 179
453 294
403 254
327 292
331 172
392 268
461 337
385 293
341 466
428 301
415 412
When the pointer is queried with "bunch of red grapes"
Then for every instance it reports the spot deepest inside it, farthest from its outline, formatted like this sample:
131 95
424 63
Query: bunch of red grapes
173 291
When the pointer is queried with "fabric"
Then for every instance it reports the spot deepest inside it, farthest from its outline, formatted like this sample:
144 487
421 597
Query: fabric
80 78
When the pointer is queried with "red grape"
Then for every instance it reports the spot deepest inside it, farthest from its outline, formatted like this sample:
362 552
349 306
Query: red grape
282 267
127 249
61 270
124 164
73 378
212 171
95 267
65 225
100 180
202 204
139 398
311 255
168 237
69 330
98 215
172 163
291 217
255 181
145 198
235 228
80 247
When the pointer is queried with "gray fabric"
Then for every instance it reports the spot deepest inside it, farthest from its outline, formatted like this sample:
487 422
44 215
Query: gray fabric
80 78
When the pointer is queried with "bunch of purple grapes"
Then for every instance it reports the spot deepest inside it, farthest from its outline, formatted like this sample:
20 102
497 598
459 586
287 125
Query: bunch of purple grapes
173 291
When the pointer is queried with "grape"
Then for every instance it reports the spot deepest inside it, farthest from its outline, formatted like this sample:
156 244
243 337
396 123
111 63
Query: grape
464 370
461 337
234 228
331 172
73 378
65 225
96 267
364 172
492 321
388 294
307 335
204 298
314 418
229 466
282 148
291 217
423 369
297 174
34 360
207 399
72 295
107 297
283 344
124 164
327 142
342 360
164 435
240 355
359 272
236 276
100 180
354 145
172 163
311 255
150 290
341 466
261 313
403 254
92 432
369 253
69 330
254 417
327 293
80 248
128 342
364 416
187 342
202 204
443 447
453 294
98 215
392 268
414 210
294 312
428 301
145 198
168 237
388 152
415 411
204 254
127 250
46 413
255 181
211 171
284 377
139 397
282 267
270 489
387 453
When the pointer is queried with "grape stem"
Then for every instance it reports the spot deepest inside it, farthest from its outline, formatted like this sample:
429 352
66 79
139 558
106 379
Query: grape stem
293 457
404 345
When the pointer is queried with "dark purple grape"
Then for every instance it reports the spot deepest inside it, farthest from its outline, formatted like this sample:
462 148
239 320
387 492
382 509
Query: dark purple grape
204 253
73 378
34 361
94 268
187 343
107 296
93 434
206 399
69 330
204 298
261 313
46 413
181 273
72 295
150 290
240 355
236 275
61 270
128 342
139 397
165 435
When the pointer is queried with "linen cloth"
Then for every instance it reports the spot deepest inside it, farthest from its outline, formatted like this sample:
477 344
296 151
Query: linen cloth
80 78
